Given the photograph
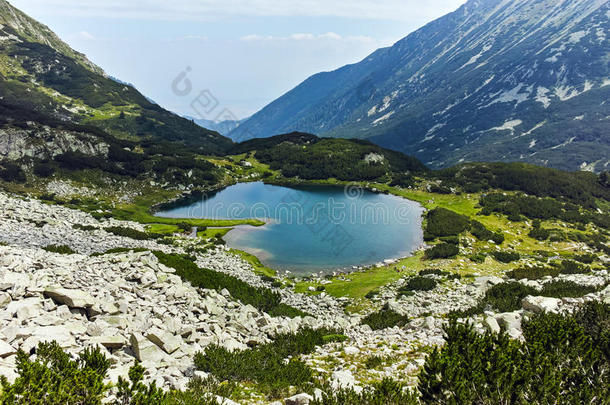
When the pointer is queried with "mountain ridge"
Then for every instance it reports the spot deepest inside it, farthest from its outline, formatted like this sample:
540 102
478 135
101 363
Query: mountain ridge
41 73
445 92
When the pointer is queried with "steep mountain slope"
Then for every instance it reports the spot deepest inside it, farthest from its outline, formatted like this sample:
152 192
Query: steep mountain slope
42 74
511 80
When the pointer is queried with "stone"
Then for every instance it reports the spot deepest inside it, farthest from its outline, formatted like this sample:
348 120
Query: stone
512 323
5 299
540 304
71 298
351 350
231 344
25 309
344 379
491 324
299 399
145 350
6 349
109 342
165 340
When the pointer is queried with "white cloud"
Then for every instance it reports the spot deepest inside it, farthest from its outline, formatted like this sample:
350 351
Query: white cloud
205 10
329 36
86 35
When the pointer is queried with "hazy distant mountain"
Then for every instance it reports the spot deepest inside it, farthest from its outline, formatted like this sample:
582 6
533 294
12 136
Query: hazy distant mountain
510 80
43 80
222 127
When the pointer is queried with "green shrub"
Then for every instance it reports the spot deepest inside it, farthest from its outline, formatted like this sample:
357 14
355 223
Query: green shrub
443 222
84 227
483 234
131 233
533 273
562 288
454 240
419 284
384 319
478 257
436 272
540 234
12 172
44 169
54 378
585 258
260 298
572 267
441 251
560 362
507 297
374 362
372 294
119 250
333 338
61 249
385 392
506 257
134 391
265 364
594 318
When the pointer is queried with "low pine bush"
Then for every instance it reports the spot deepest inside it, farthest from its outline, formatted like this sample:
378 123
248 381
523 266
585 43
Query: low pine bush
533 273
436 272
479 231
506 257
442 251
265 364
562 288
419 284
506 297
61 249
132 233
386 392
561 361
572 267
585 258
444 222
385 319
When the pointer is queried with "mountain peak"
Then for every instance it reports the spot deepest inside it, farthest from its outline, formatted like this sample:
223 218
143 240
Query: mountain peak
510 80
18 26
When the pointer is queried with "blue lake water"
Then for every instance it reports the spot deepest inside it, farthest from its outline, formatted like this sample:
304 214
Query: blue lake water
314 228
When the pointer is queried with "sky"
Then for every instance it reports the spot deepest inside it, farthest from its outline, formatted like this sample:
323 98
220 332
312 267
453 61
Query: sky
237 55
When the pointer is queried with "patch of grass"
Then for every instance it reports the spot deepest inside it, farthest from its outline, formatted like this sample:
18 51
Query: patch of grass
61 249
259 268
385 319
211 233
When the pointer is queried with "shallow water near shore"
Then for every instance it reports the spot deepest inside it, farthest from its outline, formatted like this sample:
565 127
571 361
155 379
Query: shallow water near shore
314 228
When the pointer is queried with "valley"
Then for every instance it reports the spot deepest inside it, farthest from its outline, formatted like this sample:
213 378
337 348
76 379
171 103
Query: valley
147 260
